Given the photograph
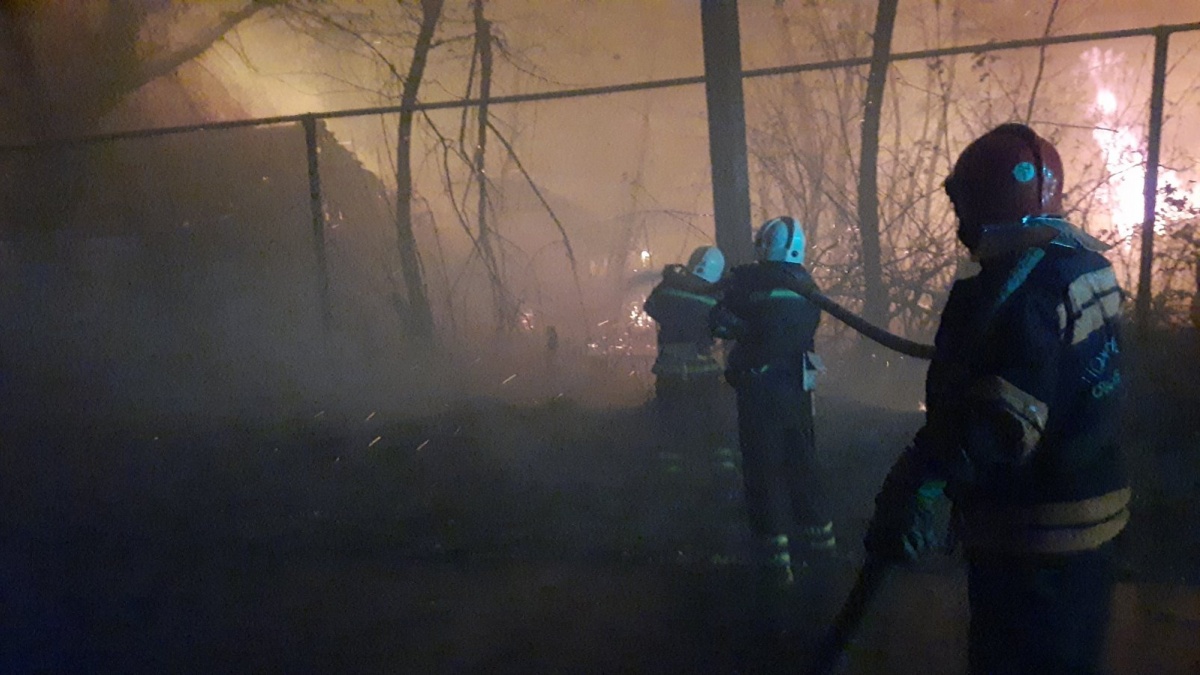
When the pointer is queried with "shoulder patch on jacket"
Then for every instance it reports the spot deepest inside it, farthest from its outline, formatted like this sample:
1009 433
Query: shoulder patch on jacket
1094 299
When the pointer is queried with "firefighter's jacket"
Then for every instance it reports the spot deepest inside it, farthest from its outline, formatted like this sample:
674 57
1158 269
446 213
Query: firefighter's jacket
680 304
773 327
1023 405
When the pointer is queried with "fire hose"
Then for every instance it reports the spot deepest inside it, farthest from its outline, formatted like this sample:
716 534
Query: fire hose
809 290
831 651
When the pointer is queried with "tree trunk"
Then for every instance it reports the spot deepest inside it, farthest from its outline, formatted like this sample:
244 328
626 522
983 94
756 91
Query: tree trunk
505 314
875 300
727 128
1142 302
420 315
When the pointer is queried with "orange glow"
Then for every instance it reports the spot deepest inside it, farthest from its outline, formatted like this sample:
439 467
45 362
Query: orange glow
1122 147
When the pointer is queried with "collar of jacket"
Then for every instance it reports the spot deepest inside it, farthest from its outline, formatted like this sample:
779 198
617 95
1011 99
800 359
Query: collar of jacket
1005 239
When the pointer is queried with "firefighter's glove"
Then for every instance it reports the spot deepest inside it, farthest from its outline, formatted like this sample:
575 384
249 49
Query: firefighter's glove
904 526
902 532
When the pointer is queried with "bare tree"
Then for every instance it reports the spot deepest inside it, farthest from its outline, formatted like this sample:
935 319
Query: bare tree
875 301
932 108
420 313
483 52
1041 66
416 33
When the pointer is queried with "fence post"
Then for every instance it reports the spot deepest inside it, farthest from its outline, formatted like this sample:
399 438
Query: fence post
1150 188
317 208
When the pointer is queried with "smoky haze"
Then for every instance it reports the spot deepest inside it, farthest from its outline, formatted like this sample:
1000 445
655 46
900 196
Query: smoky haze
227 448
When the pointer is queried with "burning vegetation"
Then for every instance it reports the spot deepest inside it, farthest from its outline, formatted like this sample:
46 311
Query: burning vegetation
351 371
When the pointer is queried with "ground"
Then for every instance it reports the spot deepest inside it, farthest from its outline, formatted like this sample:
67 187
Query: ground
490 536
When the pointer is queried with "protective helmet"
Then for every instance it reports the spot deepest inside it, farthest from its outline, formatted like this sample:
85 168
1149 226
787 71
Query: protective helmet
708 263
780 240
1008 174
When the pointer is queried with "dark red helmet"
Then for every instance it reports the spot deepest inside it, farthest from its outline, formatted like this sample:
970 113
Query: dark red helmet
1005 175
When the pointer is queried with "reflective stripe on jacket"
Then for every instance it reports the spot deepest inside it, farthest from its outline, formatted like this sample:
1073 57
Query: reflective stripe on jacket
1065 527
684 360
1023 408
775 326
680 305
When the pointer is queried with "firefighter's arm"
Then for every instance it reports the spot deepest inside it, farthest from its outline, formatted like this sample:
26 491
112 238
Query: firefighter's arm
903 507
651 306
902 526
1008 402
725 324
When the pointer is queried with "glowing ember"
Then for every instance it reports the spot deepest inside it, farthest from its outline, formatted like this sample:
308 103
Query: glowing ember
638 318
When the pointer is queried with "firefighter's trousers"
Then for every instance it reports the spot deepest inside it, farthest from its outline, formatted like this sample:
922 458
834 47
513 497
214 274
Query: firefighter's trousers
1043 614
784 489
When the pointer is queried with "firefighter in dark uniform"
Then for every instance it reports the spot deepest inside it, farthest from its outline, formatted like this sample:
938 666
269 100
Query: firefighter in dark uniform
687 384
771 367
1022 419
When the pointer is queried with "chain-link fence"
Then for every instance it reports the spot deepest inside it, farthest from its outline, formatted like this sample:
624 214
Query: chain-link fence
243 259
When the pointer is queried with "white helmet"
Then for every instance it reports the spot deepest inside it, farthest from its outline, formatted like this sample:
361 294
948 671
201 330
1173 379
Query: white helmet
708 263
780 240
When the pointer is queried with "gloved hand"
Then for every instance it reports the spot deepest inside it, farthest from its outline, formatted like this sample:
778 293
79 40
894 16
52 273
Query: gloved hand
903 534
904 526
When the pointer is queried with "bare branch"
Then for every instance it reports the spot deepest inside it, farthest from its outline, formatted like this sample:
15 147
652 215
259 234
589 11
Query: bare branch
166 63
1037 80
546 205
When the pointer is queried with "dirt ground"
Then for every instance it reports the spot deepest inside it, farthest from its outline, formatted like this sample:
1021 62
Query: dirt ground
545 536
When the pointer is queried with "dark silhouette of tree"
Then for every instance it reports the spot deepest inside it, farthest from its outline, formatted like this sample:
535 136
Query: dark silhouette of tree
64 66
875 300
420 313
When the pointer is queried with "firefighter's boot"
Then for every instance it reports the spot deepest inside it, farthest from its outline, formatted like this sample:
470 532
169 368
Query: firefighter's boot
774 583
775 573
817 544
727 474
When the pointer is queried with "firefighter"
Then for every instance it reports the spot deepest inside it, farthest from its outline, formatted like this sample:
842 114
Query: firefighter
1022 402
771 368
687 373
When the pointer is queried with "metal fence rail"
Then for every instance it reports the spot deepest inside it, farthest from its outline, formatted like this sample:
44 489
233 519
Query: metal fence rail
1160 34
